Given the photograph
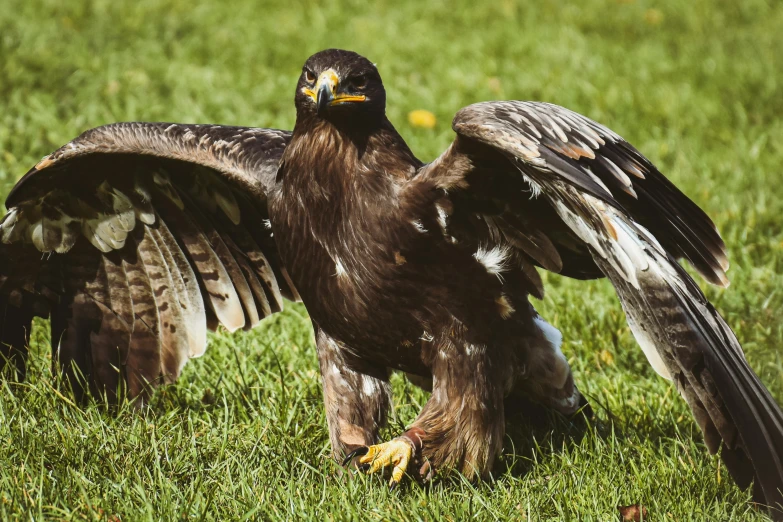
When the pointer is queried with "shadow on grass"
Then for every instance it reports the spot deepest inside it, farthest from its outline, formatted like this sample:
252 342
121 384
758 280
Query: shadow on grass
535 432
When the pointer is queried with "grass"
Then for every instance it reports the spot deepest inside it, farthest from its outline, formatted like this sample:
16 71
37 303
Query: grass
696 86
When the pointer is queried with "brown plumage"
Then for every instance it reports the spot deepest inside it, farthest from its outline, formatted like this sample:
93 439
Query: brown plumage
156 232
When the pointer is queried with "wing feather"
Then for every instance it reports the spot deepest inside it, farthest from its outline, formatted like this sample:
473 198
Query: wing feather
245 249
136 238
214 279
192 302
261 305
111 342
634 223
240 286
611 170
143 361
282 285
175 346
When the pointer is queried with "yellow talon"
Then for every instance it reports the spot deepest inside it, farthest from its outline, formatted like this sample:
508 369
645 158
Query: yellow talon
396 453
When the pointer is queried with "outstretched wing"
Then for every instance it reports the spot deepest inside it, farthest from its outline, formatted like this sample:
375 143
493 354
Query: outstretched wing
590 200
136 238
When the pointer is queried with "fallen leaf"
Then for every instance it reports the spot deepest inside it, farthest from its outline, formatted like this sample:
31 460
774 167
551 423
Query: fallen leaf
633 513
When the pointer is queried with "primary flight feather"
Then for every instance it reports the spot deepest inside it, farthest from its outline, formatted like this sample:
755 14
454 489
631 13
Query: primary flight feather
157 232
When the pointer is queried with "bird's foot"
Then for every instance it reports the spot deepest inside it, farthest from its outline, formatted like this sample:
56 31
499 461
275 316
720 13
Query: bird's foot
397 454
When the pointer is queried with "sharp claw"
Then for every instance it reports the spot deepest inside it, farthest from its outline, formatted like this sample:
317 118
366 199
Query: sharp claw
358 452
396 454
393 484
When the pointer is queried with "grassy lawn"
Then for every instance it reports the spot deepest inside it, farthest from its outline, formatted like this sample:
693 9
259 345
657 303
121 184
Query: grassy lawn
696 86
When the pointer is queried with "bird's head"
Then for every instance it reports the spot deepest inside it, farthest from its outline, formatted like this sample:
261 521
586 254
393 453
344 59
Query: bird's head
337 84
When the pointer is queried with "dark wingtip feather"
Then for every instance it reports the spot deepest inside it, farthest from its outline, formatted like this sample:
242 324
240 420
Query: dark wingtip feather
756 415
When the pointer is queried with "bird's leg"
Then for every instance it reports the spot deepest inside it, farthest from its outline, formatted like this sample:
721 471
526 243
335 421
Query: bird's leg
357 397
462 425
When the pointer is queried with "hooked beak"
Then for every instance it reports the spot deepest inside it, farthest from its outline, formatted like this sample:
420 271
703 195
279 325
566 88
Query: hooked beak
326 93
324 96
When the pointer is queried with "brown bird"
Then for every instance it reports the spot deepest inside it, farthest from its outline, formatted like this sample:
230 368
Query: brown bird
156 232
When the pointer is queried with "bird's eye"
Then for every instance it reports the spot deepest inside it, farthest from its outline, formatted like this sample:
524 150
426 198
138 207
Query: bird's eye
309 76
359 83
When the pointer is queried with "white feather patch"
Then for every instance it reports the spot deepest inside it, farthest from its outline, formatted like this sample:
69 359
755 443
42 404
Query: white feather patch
494 259
369 387
36 233
443 219
580 228
535 188
419 226
630 251
474 349
340 268
554 339
7 227
649 349
337 375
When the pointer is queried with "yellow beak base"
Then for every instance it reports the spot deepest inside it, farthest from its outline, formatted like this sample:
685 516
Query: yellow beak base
328 82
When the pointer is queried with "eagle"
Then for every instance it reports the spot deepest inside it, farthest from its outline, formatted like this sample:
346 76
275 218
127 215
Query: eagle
135 239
